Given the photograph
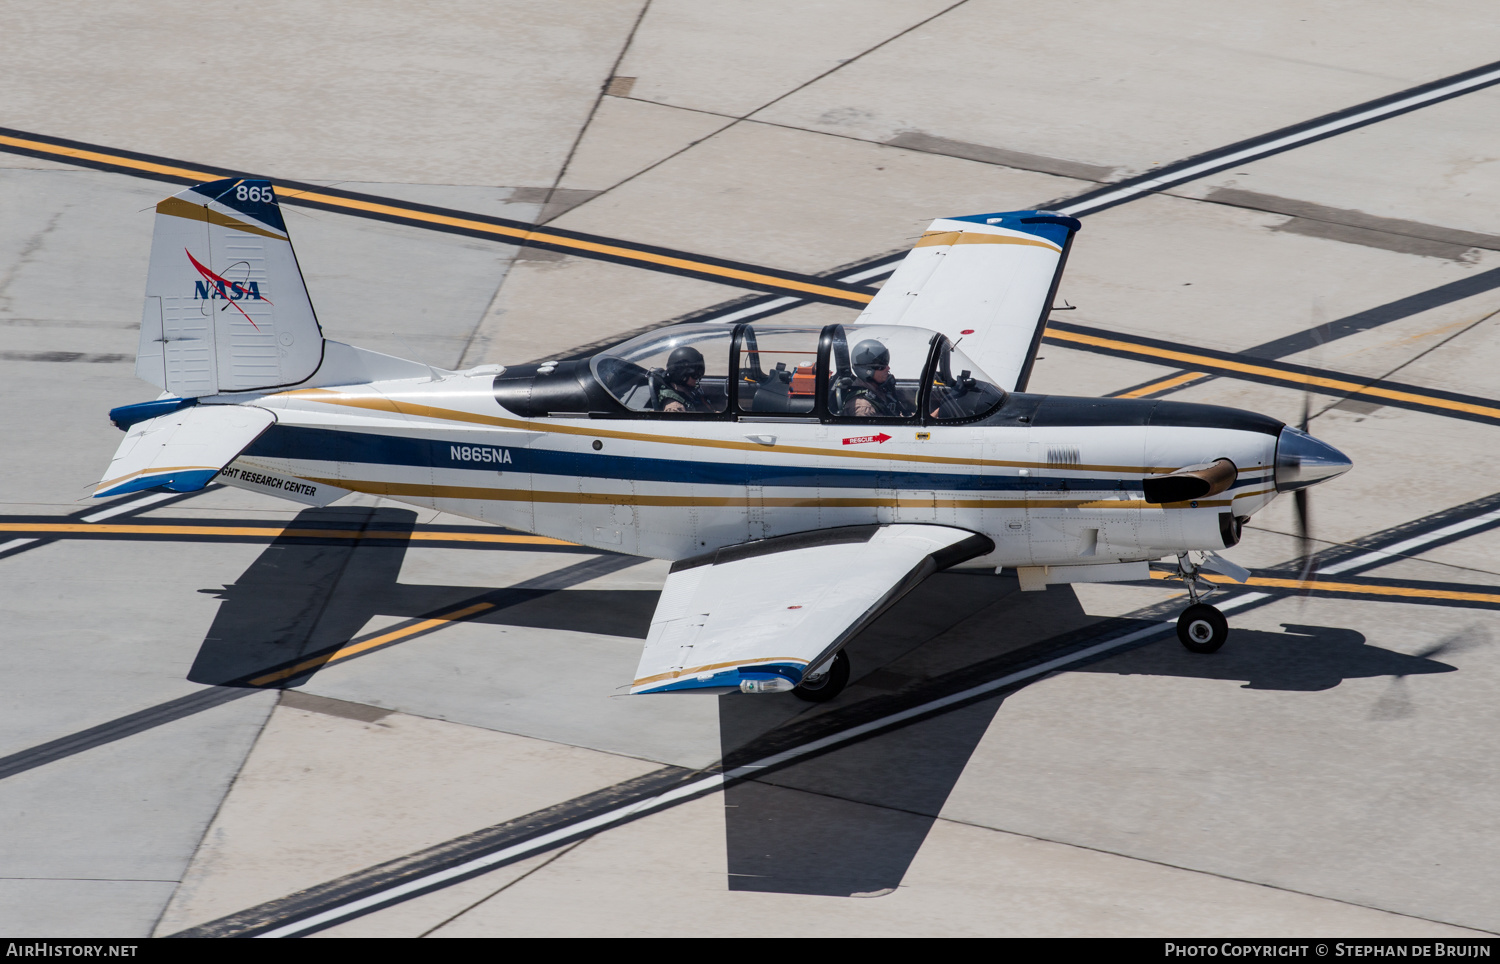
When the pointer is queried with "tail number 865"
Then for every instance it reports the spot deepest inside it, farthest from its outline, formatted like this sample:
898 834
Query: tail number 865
243 193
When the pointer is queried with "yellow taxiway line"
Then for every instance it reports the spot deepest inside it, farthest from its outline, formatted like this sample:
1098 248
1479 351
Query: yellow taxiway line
1188 359
273 532
1363 589
606 248
355 648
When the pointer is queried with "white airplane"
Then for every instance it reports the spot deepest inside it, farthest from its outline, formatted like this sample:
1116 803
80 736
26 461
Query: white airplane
800 479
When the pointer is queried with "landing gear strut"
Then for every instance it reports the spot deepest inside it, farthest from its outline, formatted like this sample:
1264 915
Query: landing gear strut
827 684
1201 628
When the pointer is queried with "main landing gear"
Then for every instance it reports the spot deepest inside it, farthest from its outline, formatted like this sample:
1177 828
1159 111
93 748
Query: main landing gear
1201 628
824 686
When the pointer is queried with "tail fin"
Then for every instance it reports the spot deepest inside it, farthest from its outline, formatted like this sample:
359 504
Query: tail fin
226 308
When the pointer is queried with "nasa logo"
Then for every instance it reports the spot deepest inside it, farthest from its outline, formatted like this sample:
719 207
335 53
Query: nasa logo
215 286
478 453
226 290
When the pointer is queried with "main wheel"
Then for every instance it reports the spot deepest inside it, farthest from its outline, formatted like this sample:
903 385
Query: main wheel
1202 628
822 688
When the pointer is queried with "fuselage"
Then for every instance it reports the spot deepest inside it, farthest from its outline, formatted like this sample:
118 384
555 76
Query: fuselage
1052 480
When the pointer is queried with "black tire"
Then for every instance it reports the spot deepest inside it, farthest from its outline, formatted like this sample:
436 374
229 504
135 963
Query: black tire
1202 628
827 686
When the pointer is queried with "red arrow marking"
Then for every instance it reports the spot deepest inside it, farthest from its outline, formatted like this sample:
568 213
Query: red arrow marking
862 439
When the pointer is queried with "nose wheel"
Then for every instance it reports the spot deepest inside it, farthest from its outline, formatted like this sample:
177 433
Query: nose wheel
1202 628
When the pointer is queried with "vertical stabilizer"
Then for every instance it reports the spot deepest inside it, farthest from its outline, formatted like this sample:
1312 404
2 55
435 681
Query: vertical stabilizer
226 309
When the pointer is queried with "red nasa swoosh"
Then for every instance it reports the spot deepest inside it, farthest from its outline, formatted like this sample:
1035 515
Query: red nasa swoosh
224 285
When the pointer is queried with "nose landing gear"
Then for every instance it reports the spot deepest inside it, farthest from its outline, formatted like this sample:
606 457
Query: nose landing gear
1201 628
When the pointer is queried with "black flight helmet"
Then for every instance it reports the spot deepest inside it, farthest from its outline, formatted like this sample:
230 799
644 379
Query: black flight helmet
684 363
869 355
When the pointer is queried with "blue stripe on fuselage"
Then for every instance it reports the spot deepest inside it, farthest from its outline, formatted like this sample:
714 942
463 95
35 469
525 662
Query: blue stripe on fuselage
328 445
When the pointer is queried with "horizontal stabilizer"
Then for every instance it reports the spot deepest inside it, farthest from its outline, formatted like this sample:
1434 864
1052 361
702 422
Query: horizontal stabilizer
226 308
183 450
774 609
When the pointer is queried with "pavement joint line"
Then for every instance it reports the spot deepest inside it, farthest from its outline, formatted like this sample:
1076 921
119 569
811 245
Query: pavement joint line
1275 142
253 922
698 787
1201 165
737 273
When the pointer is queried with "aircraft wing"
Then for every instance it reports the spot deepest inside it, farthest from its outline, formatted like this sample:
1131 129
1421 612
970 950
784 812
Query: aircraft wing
988 279
778 607
182 450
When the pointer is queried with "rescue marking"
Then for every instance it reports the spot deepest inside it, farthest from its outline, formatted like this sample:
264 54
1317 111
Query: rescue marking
862 439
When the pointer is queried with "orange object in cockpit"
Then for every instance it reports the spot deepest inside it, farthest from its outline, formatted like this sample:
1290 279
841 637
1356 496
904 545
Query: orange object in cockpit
804 379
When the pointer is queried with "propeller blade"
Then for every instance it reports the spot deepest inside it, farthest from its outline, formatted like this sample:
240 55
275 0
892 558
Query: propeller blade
1304 536
1300 498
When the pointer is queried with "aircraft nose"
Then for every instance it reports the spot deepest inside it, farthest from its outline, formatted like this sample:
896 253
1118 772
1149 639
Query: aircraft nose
1302 460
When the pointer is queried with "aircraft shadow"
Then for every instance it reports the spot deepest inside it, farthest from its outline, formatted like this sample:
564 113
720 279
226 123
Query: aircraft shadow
300 597
1304 658
849 823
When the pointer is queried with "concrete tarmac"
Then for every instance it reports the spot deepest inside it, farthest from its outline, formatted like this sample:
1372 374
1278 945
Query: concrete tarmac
1325 774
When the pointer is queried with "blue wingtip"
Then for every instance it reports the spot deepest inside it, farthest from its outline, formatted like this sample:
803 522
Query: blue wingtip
1050 225
733 677
184 481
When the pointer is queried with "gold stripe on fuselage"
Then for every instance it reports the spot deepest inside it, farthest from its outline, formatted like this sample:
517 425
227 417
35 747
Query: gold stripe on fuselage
424 490
383 404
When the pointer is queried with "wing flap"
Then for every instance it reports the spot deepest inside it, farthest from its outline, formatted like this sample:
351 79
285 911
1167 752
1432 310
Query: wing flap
988 279
777 607
183 450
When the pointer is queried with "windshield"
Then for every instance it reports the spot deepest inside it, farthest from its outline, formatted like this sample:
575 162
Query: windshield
960 390
683 369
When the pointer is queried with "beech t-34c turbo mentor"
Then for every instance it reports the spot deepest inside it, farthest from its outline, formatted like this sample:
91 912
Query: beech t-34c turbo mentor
800 479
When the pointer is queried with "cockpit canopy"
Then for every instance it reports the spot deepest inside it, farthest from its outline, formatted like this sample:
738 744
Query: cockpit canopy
867 373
